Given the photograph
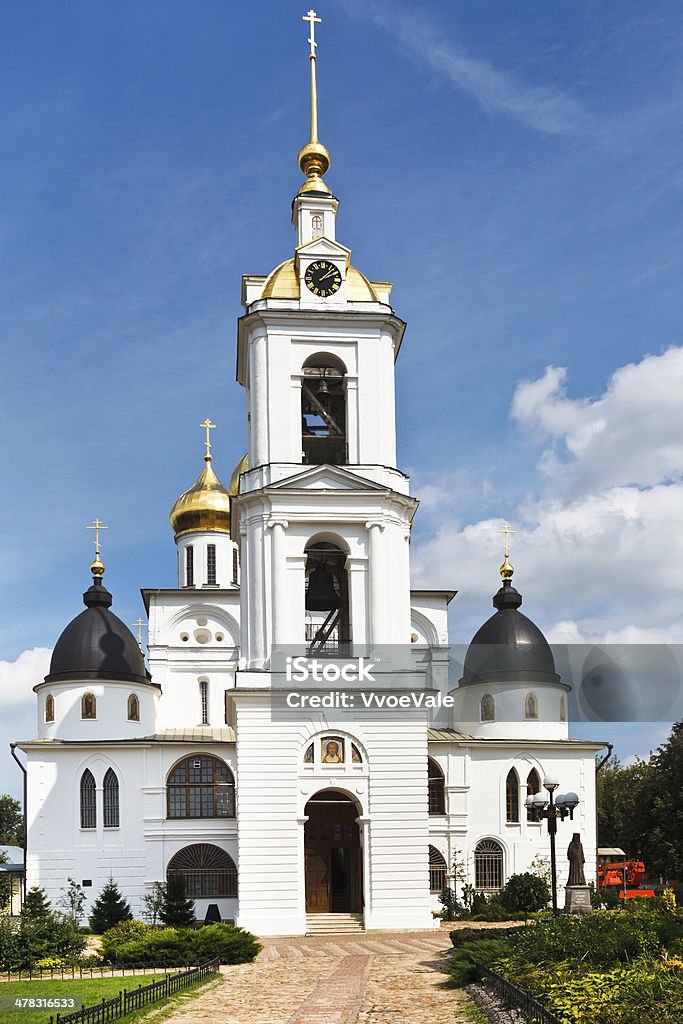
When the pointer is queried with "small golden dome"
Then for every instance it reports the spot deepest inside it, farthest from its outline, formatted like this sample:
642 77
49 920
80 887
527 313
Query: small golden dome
506 570
241 467
205 506
314 161
283 283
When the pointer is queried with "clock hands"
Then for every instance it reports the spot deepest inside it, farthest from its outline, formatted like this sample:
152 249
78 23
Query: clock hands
330 273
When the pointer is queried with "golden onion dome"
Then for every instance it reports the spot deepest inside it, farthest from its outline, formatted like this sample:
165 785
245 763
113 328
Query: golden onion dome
283 283
241 467
205 506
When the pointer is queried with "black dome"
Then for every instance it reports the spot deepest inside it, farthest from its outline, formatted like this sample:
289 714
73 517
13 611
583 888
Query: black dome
509 647
97 645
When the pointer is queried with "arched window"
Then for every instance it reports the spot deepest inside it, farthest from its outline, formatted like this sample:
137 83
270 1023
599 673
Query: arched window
323 411
531 706
88 800
512 796
201 787
563 708
488 865
437 870
533 786
488 708
326 601
88 705
49 708
111 799
133 708
437 788
316 225
206 871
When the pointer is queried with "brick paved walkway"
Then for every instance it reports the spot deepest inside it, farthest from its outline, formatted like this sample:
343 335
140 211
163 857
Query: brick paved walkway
381 978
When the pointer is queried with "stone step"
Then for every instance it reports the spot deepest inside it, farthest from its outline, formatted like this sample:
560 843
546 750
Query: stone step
334 924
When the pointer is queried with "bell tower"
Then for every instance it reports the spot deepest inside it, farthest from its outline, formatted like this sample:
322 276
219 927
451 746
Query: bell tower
323 498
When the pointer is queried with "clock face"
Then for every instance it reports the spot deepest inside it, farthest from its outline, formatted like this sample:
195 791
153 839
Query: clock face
322 278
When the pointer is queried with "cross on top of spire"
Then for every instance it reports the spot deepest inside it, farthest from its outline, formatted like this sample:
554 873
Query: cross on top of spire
506 569
208 426
314 20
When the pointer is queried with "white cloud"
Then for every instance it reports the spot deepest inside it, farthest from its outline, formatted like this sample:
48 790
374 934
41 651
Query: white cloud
17 678
599 546
543 108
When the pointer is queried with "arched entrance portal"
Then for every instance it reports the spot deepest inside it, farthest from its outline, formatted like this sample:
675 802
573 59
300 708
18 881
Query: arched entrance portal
334 874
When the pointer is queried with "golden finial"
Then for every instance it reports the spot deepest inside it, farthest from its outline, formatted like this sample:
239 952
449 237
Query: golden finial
314 159
506 570
139 623
207 425
96 567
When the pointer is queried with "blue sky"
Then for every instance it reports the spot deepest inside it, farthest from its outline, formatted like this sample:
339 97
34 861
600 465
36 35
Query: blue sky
516 171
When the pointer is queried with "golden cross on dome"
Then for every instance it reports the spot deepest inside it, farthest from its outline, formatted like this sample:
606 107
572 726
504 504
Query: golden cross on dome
207 425
314 20
97 567
139 623
506 570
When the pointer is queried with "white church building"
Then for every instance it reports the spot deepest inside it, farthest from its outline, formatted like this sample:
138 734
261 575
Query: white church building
289 820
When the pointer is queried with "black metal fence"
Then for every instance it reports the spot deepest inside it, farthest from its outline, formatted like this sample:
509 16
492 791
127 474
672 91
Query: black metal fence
126 1002
74 971
516 999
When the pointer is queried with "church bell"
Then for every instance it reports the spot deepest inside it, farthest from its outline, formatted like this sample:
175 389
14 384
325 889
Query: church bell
321 595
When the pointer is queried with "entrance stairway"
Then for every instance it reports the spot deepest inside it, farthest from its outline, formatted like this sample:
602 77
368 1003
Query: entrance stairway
334 924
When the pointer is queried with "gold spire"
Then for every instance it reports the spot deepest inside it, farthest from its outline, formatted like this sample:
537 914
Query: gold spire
506 570
314 159
96 567
207 425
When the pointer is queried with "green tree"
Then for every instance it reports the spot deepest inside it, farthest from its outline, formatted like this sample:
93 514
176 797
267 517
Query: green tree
36 905
663 809
623 791
109 909
11 822
5 886
177 910
72 902
153 902
525 893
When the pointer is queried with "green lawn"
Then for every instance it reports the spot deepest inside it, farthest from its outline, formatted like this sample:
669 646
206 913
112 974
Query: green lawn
85 990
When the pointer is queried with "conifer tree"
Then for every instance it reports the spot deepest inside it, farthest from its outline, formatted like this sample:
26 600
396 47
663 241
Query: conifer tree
109 909
177 910
36 905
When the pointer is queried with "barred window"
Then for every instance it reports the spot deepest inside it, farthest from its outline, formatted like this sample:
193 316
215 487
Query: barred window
206 870
235 565
49 708
512 796
437 870
111 799
88 706
189 566
88 800
211 563
533 786
531 706
488 865
204 701
133 708
201 787
437 786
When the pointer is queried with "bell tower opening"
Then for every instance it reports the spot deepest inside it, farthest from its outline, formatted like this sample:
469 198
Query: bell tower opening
323 411
328 629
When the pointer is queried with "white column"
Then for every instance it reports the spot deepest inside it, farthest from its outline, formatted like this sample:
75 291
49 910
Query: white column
295 407
379 589
256 597
364 829
258 390
244 596
278 580
358 578
352 438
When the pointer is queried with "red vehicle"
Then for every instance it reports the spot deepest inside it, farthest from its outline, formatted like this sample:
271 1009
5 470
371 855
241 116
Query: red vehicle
617 873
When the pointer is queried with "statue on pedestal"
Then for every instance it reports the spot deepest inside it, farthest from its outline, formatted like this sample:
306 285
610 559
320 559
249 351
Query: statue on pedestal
577 898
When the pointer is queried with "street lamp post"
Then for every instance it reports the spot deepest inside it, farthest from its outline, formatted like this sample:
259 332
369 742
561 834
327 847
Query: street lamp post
552 808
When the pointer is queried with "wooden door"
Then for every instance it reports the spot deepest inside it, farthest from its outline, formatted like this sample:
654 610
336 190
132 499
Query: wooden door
317 881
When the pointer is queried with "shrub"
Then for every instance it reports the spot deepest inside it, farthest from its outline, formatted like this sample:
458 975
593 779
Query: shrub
176 946
124 931
525 893
480 951
24 942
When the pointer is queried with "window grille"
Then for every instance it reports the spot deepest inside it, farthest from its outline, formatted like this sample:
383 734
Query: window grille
211 564
111 799
437 786
189 566
206 870
437 870
88 800
204 699
488 865
235 566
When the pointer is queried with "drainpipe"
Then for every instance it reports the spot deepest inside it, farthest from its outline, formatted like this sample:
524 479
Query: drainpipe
13 748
